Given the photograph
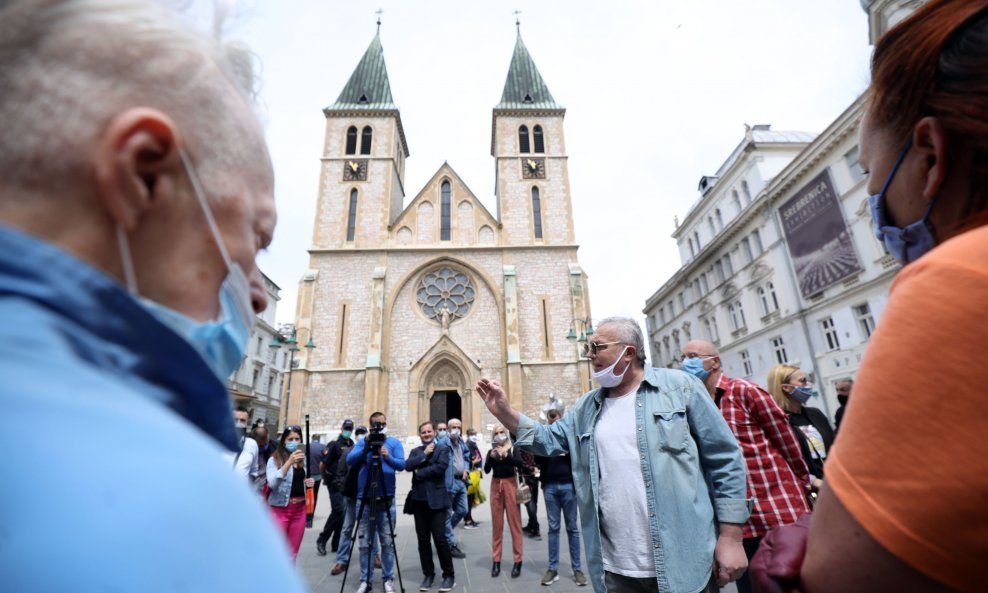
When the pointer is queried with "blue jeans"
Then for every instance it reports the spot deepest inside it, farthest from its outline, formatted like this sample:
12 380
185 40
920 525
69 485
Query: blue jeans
457 509
562 497
371 524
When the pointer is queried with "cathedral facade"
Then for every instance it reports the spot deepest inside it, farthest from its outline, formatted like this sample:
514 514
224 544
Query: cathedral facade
411 304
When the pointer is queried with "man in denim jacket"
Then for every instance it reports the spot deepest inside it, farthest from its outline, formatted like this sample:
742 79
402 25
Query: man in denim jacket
659 477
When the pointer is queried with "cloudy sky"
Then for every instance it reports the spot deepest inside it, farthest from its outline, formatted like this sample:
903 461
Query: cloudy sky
657 94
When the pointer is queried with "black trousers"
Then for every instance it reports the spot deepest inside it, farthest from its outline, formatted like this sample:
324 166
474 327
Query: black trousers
750 547
431 523
532 506
334 523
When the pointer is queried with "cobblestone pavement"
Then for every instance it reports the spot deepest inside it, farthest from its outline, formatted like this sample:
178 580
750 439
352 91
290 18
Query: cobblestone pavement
473 573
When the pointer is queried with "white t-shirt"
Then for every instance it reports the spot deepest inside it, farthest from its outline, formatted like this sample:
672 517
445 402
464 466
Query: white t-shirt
625 537
245 465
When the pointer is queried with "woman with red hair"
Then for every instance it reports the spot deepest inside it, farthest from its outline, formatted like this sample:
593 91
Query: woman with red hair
905 504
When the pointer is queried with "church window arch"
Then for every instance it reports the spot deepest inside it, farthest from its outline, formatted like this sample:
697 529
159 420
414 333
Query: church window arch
538 139
445 290
523 139
537 212
365 140
351 140
351 219
445 211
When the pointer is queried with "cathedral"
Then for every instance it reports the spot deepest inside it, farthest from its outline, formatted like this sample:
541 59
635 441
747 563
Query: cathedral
411 304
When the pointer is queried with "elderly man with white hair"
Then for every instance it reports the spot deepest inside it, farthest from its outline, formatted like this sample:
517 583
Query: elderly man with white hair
135 192
659 478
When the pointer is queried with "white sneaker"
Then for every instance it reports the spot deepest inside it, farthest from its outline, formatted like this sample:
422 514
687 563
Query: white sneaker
364 588
389 587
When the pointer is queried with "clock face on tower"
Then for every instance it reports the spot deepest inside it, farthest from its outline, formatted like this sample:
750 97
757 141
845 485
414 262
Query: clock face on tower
355 170
532 168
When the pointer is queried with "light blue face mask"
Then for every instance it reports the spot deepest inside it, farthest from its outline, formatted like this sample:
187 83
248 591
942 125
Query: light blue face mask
291 446
905 244
221 342
802 394
694 366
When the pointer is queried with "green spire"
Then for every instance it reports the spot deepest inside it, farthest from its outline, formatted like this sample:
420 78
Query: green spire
524 87
368 87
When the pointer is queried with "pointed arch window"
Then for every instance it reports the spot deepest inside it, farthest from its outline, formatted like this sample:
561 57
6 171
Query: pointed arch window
537 212
523 139
365 140
351 219
539 140
444 212
351 140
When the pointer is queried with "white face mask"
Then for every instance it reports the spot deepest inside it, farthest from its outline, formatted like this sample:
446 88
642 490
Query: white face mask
607 378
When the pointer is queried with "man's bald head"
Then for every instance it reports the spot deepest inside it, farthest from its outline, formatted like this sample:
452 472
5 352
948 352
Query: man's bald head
700 348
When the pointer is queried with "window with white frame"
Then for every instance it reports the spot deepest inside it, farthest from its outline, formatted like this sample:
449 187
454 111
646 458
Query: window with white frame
851 160
710 223
746 250
830 333
779 347
682 301
736 200
696 239
866 322
692 248
746 192
720 219
704 287
719 271
745 362
662 315
736 313
767 299
756 240
728 267
710 324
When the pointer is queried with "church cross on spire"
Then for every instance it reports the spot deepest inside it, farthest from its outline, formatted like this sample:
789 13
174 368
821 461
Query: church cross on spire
517 21
379 12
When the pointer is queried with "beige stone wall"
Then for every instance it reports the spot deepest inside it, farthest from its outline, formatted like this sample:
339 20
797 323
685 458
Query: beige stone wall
515 192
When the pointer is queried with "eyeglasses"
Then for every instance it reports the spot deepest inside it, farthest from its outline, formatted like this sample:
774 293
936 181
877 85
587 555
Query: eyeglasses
696 355
595 347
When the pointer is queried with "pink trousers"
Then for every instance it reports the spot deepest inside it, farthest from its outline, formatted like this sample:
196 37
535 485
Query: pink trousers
292 521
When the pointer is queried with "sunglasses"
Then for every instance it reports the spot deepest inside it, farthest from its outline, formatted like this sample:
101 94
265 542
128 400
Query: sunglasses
595 347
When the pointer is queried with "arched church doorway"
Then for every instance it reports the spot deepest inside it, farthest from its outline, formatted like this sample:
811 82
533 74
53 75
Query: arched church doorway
445 405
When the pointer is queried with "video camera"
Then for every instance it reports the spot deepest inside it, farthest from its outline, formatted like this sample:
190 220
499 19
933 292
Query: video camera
376 436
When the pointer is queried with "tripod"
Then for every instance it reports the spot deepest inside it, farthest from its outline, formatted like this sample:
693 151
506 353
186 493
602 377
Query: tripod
374 491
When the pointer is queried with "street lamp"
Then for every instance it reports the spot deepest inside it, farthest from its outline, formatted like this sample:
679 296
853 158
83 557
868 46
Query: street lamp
292 342
586 330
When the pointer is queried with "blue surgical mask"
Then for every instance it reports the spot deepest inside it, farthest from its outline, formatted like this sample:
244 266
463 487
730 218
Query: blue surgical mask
694 366
802 394
345 434
291 446
906 244
221 342
442 438
607 377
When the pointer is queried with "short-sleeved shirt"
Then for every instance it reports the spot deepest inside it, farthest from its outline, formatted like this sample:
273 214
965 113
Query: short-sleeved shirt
910 463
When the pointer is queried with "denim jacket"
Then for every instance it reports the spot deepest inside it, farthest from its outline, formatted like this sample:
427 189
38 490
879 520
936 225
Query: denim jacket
692 465
281 486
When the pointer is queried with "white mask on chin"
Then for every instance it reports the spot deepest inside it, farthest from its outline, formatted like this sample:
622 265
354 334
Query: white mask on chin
607 378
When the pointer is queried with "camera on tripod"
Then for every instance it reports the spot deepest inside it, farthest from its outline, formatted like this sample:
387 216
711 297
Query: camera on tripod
376 437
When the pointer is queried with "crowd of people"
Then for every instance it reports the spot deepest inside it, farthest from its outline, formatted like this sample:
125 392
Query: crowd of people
127 265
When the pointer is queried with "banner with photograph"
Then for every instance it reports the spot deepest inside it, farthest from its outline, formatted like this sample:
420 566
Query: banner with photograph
816 234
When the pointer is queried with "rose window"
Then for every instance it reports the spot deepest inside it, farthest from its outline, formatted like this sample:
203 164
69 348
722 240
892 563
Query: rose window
447 290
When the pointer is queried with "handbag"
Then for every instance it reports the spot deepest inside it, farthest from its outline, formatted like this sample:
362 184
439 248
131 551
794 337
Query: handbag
474 485
524 493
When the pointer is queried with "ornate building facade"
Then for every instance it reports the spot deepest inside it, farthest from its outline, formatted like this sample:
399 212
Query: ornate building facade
410 304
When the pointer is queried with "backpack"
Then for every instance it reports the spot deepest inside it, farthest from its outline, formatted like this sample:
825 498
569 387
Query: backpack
339 472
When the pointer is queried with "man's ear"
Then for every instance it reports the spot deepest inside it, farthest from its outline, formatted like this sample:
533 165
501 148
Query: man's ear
930 138
137 163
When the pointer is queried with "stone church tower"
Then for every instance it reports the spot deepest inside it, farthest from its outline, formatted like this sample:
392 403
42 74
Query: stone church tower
411 305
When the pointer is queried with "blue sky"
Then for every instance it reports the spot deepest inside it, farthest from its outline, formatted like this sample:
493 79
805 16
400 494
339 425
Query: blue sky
657 95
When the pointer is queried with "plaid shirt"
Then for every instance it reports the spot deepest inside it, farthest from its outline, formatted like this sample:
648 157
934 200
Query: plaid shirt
777 474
